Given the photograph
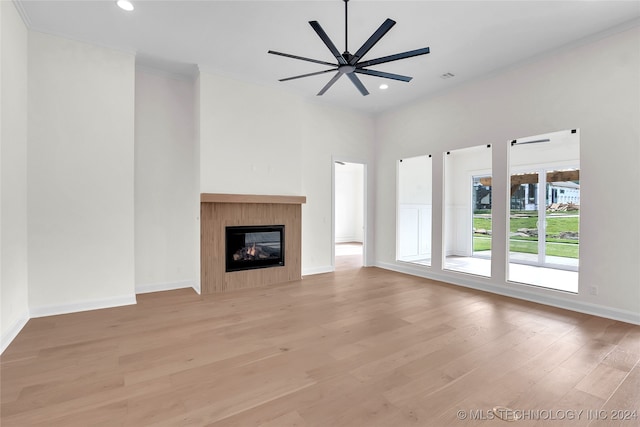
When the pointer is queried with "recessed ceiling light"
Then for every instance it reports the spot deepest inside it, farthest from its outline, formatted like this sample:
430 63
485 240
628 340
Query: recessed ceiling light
384 86
125 5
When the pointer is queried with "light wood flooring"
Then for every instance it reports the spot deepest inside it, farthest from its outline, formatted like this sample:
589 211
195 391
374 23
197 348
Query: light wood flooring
359 347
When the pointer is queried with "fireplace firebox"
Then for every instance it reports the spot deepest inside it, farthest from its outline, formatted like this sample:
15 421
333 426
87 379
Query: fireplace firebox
250 247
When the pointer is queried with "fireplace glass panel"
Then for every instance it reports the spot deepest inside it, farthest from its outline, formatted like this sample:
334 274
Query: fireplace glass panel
249 247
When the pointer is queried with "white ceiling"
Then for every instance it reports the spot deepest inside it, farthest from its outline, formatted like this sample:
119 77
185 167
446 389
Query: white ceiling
470 39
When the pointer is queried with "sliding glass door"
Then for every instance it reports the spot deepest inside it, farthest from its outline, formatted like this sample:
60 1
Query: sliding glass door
545 218
562 218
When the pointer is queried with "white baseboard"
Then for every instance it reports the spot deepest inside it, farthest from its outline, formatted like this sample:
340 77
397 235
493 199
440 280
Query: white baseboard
196 287
159 287
52 310
348 239
412 258
318 270
457 253
519 293
13 331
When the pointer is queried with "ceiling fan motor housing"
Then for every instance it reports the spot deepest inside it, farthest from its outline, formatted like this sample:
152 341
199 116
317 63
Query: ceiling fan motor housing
346 69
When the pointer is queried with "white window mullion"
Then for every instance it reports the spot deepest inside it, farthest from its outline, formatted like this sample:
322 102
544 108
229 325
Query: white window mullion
542 216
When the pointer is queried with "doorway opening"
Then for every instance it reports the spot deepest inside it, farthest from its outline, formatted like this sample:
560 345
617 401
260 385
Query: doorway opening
414 212
544 211
349 214
467 210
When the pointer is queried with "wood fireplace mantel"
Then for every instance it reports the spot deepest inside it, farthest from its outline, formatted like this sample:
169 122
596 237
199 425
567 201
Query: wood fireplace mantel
251 198
218 211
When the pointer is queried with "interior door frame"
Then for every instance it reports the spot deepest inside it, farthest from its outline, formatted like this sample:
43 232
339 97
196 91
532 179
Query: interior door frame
365 207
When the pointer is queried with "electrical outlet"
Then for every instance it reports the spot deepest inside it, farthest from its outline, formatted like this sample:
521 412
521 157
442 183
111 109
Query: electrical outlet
593 290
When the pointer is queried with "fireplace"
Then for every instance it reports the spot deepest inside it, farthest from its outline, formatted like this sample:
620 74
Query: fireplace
219 211
251 247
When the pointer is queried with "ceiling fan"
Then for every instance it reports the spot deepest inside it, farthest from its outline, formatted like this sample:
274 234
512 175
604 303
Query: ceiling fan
351 64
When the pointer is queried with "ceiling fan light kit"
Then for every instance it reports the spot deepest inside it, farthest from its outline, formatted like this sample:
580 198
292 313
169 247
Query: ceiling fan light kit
351 64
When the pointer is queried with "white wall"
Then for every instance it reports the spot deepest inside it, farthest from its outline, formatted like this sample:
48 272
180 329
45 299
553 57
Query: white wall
331 134
165 190
258 140
593 87
415 175
249 138
14 307
349 202
562 150
80 176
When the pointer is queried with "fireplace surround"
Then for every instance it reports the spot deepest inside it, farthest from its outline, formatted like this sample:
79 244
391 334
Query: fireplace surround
218 212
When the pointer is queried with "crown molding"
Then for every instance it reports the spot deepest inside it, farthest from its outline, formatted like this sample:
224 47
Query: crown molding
23 13
166 68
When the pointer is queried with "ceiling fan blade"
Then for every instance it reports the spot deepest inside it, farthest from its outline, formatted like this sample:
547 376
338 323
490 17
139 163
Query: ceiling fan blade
307 75
331 82
395 57
301 58
383 74
358 84
325 38
375 38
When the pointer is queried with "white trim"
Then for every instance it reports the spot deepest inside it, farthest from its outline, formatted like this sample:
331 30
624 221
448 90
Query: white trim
365 207
414 258
159 72
59 34
196 288
366 217
318 270
519 293
396 211
52 310
168 286
350 239
8 337
333 215
23 13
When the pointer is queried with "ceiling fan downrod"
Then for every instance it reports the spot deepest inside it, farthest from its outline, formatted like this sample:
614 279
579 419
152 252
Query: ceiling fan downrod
346 29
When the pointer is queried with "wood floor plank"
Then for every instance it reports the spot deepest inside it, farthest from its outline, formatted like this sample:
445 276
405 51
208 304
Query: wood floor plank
622 408
290 419
602 381
361 346
318 394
